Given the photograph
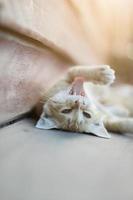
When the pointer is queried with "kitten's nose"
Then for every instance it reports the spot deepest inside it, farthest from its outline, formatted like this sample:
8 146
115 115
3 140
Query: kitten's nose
77 103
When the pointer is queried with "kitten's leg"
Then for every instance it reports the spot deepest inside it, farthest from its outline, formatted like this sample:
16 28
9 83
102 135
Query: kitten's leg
119 124
118 111
101 74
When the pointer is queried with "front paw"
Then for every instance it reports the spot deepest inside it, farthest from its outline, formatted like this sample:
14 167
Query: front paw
105 74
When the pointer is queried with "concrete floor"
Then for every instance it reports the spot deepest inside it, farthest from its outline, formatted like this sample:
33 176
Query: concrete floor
55 165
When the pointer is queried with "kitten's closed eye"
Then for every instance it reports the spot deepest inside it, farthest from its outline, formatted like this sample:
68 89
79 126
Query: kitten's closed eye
67 110
86 114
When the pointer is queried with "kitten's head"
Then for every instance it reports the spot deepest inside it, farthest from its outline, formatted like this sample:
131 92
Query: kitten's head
72 112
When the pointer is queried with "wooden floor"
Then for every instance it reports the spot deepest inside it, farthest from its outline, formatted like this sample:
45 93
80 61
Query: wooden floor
55 165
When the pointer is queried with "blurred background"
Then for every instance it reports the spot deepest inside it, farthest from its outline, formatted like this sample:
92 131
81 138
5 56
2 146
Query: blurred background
104 27
109 27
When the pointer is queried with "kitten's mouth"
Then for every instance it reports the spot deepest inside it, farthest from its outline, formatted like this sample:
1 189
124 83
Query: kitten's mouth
77 87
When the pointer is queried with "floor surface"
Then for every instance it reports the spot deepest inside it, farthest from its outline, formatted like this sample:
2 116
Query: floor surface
55 165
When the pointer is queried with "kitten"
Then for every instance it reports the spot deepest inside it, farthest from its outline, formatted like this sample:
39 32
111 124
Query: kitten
69 106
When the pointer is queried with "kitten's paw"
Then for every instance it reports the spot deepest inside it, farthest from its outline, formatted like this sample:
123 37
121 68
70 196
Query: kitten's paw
105 75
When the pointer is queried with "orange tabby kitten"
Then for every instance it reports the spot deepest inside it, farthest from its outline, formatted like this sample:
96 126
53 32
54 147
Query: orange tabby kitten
69 106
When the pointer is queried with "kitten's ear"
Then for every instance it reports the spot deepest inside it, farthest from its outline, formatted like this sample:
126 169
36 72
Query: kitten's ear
98 129
45 123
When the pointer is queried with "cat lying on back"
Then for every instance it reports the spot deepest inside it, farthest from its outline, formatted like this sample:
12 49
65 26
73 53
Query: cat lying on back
69 106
